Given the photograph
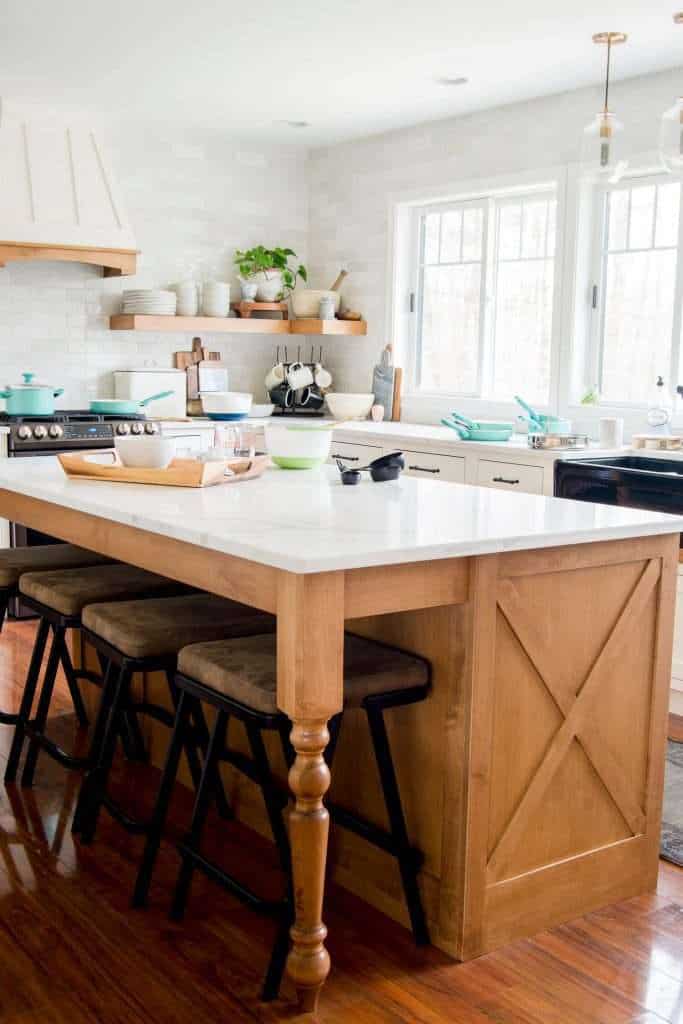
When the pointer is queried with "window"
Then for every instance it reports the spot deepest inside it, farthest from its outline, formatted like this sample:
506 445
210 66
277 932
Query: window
636 294
485 295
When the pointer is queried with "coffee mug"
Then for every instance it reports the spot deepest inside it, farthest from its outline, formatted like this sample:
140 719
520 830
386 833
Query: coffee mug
282 396
310 398
299 376
275 376
323 377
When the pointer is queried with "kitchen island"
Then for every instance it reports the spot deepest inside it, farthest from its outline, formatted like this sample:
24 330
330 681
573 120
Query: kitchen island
533 775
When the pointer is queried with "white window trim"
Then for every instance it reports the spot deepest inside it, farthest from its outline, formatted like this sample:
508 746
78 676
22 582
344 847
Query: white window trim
572 273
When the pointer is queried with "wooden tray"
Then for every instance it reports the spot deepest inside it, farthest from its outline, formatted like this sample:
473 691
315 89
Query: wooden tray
180 473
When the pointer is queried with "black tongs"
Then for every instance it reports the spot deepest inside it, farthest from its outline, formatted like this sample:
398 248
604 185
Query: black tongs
386 467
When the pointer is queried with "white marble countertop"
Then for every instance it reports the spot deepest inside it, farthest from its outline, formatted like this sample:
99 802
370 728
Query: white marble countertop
307 521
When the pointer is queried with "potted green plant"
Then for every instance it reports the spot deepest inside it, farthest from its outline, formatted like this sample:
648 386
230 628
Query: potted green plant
270 270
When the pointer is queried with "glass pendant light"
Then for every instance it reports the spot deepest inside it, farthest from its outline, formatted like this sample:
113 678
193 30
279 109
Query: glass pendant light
671 130
602 158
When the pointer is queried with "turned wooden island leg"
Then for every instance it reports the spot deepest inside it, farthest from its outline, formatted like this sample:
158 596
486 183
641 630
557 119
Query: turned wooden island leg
310 651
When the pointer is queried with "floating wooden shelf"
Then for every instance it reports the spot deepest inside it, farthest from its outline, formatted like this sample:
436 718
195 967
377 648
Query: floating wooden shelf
208 324
234 325
114 262
315 326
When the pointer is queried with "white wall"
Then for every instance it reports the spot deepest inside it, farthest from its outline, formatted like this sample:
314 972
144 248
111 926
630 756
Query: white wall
191 204
353 186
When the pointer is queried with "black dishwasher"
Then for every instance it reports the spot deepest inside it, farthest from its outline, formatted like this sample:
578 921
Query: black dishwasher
631 480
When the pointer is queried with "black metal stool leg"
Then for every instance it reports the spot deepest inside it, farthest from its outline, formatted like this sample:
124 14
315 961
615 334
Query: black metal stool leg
95 782
109 685
222 803
131 735
199 813
278 959
392 800
32 678
168 778
334 728
5 594
72 681
40 720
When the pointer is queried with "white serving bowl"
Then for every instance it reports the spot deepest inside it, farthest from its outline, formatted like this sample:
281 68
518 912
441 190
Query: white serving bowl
297 447
349 406
306 301
145 452
229 403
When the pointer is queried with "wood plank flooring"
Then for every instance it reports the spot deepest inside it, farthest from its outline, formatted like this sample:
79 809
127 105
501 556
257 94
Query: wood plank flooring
73 952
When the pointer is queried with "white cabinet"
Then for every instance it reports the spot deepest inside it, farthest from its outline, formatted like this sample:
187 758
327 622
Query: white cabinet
433 467
510 476
354 455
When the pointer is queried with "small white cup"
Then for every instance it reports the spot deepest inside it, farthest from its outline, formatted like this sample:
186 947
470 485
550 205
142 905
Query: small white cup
299 376
275 376
611 432
323 377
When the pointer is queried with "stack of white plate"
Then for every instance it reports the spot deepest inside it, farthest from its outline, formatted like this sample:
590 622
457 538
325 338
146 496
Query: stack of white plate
150 301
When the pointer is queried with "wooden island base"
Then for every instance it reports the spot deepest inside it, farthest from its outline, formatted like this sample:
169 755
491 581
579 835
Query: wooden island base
532 777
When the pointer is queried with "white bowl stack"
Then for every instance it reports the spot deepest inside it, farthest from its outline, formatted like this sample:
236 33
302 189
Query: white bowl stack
149 302
216 298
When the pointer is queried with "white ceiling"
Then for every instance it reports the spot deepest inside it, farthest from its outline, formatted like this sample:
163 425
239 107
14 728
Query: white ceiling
351 69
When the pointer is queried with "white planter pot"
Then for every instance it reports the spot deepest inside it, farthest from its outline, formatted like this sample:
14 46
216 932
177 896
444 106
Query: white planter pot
269 285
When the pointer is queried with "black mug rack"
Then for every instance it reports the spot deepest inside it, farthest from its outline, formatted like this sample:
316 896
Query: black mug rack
288 401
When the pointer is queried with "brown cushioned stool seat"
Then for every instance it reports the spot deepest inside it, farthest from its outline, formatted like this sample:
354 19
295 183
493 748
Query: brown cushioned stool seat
14 562
246 669
238 678
59 597
68 591
145 636
157 627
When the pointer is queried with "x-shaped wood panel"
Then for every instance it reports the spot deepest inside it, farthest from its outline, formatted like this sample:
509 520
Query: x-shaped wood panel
578 722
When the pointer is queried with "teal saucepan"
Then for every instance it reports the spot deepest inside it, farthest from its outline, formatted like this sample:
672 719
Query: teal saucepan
124 406
482 431
30 398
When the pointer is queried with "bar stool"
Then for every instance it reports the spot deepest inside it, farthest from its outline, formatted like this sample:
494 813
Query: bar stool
58 597
14 562
146 636
238 678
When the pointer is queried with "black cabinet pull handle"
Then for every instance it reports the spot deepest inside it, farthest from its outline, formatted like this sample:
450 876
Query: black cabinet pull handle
424 469
504 480
347 458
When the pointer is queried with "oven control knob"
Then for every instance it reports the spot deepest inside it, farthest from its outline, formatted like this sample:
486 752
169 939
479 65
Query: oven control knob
24 432
39 432
122 428
151 428
55 430
136 428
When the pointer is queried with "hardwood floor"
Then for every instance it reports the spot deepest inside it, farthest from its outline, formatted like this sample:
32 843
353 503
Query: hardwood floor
676 728
73 952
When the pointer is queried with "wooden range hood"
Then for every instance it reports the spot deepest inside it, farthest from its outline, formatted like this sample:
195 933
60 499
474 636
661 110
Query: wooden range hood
59 199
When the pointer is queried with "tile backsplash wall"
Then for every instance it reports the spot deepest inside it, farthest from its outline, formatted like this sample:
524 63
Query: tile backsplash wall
191 205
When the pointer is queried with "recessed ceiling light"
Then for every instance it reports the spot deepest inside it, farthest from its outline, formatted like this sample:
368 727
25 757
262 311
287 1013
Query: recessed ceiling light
293 124
451 80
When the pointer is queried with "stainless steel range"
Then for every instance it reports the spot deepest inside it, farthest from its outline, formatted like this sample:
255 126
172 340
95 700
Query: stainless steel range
68 431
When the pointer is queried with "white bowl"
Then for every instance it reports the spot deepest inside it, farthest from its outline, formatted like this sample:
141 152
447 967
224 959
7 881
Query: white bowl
306 301
297 447
349 406
145 452
226 402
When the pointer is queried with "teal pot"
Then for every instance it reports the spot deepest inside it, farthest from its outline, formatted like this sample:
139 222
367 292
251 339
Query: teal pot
29 399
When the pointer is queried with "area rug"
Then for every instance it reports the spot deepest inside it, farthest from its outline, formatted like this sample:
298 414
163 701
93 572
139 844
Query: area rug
672 817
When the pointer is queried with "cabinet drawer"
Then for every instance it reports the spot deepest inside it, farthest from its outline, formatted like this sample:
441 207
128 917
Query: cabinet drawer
354 454
509 476
433 467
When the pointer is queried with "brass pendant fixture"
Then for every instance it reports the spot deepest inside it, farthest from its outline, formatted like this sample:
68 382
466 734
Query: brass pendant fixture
671 130
601 158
